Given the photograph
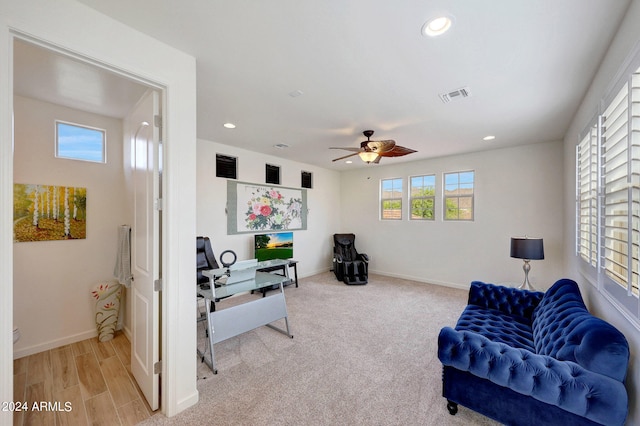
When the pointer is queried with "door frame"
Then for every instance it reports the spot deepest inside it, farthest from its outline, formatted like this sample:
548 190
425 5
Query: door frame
133 54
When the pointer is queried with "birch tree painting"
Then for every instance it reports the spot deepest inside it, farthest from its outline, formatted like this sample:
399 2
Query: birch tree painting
49 212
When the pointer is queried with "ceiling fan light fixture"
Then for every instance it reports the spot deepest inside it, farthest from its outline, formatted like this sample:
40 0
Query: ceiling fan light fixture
368 156
437 26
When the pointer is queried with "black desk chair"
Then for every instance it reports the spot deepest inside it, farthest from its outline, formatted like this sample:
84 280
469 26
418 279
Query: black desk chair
349 266
205 260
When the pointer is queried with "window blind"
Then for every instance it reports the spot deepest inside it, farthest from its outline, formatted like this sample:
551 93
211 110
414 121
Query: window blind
226 166
587 195
635 183
615 167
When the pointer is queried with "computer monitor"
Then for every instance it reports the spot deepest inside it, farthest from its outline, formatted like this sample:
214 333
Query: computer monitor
277 245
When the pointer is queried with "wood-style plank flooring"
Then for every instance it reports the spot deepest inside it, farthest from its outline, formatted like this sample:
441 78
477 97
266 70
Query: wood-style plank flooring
85 383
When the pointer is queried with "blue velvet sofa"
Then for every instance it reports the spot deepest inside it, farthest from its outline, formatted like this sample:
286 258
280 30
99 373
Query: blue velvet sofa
531 358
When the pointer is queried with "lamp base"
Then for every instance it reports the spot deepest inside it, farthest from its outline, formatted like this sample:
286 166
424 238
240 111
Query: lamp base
526 285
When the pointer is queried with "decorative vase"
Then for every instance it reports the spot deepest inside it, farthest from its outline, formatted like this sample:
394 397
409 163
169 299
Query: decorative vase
107 309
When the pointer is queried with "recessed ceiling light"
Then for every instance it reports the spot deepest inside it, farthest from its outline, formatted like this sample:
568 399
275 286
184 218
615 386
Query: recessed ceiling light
488 138
437 26
229 125
281 145
348 161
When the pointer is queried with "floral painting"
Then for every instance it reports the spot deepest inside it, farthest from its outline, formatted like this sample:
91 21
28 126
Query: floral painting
49 212
258 208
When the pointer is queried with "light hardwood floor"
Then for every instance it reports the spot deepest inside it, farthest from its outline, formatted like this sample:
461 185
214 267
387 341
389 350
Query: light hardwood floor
85 383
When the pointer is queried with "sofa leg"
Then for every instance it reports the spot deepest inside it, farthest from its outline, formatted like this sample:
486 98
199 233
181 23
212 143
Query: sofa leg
452 407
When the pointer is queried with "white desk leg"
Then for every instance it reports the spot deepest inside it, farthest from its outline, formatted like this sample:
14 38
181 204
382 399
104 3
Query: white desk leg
286 315
211 330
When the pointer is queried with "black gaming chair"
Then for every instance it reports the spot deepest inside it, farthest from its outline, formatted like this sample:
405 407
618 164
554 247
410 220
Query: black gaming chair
349 266
204 260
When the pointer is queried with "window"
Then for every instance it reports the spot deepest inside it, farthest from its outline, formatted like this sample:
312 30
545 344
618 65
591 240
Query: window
306 179
608 195
617 192
78 142
620 150
391 199
458 195
587 196
422 197
272 174
226 166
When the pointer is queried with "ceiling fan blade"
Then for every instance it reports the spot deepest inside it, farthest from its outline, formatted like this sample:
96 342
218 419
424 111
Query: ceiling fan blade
381 146
346 148
397 151
346 156
377 160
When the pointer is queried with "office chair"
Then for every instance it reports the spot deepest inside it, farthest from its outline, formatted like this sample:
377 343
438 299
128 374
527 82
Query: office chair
349 266
205 260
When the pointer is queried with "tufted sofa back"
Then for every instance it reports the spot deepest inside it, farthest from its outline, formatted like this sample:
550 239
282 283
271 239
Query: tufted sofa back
564 329
505 299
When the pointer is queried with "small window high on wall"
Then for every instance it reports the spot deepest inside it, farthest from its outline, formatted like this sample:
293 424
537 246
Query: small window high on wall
458 195
391 199
306 179
272 174
77 142
226 166
422 197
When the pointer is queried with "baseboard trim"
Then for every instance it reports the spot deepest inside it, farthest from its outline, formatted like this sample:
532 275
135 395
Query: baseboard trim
421 280
185 403
52 344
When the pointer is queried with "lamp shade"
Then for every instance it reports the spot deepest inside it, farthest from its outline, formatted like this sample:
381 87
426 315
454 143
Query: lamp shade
368 156
527 248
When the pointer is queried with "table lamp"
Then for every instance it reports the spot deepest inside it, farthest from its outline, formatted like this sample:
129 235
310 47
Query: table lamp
527 248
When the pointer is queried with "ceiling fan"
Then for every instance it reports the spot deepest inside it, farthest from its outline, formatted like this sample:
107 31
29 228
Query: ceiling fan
372 151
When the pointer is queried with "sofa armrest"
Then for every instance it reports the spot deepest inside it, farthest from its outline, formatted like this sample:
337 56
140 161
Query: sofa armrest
509 300
561 383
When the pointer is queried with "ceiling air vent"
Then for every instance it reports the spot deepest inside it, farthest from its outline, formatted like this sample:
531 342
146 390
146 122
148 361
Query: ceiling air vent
463 92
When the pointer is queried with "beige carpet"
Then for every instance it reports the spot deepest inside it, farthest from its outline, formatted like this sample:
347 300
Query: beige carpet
361 355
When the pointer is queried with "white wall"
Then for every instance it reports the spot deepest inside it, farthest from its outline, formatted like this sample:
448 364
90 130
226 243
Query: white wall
625 42
312 247
79 29
53 279
518 191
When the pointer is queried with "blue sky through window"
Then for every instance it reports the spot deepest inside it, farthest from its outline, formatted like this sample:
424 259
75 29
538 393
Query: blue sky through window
455 181
423 183
80 143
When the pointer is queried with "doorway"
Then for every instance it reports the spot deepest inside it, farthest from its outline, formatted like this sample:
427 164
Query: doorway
49 82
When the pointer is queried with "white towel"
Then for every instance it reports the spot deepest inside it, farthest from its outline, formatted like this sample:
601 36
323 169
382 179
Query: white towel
122 270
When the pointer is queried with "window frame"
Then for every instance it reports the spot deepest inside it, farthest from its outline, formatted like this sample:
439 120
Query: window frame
384 199
57 144
625 295
431 198
458 197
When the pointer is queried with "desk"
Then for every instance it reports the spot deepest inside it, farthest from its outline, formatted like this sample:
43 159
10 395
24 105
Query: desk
284 266
225 323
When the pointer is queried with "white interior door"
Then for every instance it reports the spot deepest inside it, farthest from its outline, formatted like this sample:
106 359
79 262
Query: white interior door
145 245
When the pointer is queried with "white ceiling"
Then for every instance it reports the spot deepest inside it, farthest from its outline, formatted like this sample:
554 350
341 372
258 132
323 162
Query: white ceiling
59 78
363 64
